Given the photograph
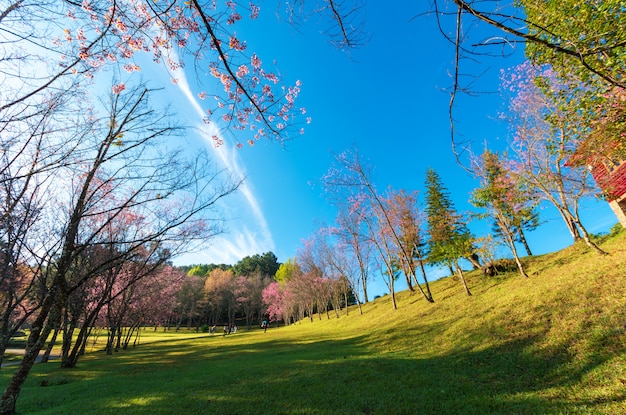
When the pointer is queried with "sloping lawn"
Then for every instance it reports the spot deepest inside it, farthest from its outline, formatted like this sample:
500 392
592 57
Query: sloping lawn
551 344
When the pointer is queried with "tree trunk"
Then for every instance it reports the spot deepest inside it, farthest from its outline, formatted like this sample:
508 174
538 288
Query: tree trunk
509 236
68 335
427 294
358 302
51 343
364 283
392 293
37 338
409 283
110 340
571 226
588 240
475 260
522 238
518 262
462 277
118 343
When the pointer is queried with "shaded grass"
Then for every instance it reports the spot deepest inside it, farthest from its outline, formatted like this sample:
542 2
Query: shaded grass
551 344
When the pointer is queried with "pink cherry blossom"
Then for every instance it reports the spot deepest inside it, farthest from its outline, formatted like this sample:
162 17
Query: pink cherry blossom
254 11
117 89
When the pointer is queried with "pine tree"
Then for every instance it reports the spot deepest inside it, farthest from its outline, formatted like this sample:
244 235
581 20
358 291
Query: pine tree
449 236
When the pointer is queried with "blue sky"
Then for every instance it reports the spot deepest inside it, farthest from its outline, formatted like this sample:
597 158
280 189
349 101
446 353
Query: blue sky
388 98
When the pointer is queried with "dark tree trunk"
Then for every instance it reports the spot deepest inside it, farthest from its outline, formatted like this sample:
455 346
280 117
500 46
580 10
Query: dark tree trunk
522 238
51 343
68 335
475 260
37 338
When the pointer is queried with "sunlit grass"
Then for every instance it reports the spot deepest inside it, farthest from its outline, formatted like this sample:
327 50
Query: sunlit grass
554 343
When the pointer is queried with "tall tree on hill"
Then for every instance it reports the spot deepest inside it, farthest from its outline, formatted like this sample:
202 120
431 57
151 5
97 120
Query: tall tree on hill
548 129
449 236
503 200
407 221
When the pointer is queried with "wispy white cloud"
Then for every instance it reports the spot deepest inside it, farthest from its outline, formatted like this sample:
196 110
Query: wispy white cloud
248 234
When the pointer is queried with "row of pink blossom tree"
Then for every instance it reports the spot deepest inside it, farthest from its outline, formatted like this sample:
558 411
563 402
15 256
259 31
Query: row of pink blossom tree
314 283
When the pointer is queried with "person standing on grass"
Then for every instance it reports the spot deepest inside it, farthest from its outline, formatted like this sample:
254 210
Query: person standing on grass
225 329
265 325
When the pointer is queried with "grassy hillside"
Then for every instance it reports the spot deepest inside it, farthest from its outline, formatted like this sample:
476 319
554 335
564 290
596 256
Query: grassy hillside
554 343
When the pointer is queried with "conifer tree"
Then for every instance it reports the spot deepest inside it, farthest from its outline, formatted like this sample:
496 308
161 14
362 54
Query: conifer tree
449 236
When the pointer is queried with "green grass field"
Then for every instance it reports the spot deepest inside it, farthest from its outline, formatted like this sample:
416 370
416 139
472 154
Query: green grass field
551 344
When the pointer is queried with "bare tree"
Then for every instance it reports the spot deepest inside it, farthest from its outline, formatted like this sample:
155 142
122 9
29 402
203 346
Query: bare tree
548 132
356 248
120 170
354 175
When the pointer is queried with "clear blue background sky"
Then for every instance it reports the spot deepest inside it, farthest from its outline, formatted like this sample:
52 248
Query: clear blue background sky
388 98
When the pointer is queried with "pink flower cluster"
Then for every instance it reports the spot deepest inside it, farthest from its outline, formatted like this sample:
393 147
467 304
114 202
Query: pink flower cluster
118 88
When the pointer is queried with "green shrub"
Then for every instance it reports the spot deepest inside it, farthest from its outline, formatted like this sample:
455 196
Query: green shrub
616 229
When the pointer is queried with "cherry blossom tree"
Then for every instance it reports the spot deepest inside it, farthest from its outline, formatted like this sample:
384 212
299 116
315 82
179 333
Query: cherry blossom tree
319 255
503 200
548 131
84 38
410 246
342 268
159 298
144 294
304 290
248 295
20 277
273 299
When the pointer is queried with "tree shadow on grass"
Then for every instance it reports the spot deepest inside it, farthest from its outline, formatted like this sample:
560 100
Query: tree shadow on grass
324 377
